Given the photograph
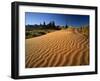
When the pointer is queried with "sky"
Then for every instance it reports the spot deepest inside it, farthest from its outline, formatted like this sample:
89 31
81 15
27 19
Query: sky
32 18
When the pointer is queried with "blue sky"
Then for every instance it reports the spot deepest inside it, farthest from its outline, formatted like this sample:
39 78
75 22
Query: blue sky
32 18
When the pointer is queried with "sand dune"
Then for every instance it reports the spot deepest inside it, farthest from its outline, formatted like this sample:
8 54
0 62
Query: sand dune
60 48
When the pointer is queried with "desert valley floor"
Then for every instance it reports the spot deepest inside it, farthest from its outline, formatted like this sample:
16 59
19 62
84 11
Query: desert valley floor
59 48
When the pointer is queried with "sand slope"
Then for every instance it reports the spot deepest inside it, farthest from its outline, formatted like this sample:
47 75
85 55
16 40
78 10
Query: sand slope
60 48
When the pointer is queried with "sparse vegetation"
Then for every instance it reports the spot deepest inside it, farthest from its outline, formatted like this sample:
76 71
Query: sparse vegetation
42 29
38 32
85 31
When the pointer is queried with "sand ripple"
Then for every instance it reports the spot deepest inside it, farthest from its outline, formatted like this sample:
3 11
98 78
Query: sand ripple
60 48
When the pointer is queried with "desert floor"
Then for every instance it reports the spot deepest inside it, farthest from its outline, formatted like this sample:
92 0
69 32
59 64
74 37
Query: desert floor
59 48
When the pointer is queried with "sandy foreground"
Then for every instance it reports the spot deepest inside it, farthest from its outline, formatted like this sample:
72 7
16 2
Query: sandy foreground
60 48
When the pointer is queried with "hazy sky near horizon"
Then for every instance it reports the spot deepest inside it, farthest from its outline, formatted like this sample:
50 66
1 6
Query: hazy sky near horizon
32 18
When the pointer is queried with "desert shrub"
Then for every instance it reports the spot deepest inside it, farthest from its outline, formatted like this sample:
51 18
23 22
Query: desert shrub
85 31
42 33
38 32
35 34
28 34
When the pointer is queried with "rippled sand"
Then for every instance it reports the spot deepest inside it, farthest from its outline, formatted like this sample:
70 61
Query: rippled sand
60 48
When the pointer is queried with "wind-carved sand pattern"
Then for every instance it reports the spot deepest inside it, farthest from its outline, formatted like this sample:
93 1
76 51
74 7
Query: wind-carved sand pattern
56 49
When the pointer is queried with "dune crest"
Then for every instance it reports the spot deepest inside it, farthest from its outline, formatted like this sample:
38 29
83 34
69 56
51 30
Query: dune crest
59 48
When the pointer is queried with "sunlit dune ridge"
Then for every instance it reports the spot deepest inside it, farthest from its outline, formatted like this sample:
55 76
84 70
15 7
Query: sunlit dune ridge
59 48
